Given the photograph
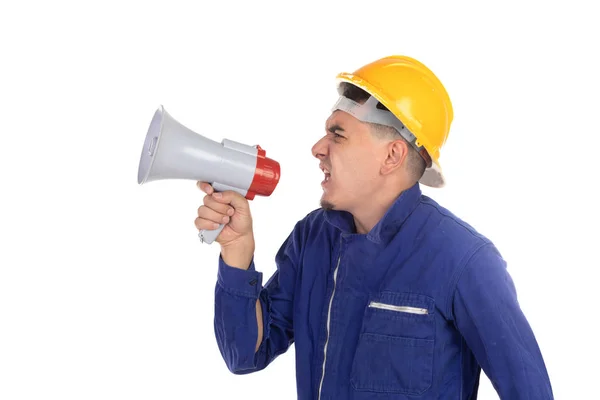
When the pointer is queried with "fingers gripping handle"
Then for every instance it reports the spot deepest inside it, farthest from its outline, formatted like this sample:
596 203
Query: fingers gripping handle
209 236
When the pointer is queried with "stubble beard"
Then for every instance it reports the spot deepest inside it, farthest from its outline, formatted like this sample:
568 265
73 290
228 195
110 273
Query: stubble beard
326 205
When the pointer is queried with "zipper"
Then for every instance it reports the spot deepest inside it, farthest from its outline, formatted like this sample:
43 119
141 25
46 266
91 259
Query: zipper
405 309
329 320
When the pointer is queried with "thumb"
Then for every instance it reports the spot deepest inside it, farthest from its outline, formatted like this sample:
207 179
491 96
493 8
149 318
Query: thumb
236 200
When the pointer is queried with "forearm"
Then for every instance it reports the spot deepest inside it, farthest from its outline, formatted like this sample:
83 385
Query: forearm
254 324
239 255
237 294
259 325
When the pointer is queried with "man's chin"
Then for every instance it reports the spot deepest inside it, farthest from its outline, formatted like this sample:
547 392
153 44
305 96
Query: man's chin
327 205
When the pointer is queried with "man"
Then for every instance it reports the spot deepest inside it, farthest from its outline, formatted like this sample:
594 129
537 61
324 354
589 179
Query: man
385 294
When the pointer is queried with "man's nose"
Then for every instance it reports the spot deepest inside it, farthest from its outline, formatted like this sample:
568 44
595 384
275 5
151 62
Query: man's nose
319 149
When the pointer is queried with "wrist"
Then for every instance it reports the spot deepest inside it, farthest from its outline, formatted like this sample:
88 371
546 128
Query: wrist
238 254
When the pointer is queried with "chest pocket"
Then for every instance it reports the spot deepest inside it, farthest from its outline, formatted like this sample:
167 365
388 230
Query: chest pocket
394 352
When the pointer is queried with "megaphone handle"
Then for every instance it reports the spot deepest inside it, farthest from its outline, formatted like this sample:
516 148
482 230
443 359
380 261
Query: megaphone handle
209 236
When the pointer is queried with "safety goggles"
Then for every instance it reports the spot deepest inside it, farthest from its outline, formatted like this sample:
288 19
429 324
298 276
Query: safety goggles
368 112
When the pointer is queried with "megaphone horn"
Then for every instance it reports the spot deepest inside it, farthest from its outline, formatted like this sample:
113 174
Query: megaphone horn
172 151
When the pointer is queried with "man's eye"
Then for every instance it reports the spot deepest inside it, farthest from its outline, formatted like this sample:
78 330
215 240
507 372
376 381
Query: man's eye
336 135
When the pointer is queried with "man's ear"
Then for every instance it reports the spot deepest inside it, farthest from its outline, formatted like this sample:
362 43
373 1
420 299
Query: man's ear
397 153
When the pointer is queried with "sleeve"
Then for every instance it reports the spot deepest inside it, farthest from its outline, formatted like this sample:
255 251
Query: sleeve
235 325
489 317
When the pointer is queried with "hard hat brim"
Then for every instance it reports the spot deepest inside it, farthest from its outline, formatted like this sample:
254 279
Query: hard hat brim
433 176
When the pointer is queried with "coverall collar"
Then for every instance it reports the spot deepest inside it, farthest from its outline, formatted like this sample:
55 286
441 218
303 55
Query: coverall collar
387 227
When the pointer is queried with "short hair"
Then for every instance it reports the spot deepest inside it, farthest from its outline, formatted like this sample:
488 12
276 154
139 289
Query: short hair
416 164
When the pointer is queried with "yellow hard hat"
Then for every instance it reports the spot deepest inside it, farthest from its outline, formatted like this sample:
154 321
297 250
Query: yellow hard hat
416 97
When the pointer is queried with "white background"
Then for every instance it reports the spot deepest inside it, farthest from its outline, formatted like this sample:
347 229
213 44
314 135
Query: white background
105 290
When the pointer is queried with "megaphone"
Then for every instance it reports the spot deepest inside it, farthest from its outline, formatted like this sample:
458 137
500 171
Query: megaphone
172 151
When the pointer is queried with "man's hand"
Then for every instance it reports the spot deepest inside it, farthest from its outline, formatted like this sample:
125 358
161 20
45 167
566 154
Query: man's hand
233 210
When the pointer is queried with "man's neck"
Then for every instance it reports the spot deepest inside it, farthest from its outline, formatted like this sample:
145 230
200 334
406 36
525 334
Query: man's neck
370 213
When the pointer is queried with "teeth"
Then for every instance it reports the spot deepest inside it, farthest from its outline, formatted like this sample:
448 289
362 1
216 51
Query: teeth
326 172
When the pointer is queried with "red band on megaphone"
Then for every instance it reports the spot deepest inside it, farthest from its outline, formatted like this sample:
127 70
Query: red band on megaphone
266 176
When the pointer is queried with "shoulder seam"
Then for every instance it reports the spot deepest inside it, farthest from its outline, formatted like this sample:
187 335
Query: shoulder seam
458 221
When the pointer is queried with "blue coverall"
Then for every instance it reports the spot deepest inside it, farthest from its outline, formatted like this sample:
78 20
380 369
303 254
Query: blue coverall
412 310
